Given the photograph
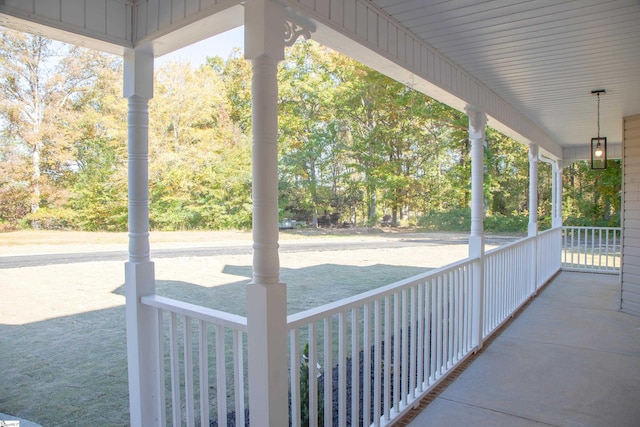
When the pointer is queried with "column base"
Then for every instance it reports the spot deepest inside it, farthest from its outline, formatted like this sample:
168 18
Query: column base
268 355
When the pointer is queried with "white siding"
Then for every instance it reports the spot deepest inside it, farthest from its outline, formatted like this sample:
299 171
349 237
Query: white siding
630 297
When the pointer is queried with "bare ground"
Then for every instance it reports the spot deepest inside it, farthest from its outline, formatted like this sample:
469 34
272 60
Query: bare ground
62 326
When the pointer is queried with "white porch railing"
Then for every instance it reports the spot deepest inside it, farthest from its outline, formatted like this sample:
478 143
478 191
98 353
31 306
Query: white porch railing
373 355
192 339
364 360
549 250
508 281
592 249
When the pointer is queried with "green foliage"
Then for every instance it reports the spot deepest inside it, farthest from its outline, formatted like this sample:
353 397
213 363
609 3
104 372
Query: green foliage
51 219
459 220
304 392
592 197
453 220
499 223
351 142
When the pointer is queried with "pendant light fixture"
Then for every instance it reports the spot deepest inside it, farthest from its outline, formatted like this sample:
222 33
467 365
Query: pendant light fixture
598 144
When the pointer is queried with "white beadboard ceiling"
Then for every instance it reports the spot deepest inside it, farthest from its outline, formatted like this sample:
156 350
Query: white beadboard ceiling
544 57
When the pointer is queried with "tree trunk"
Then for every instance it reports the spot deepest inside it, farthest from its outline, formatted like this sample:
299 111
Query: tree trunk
35 182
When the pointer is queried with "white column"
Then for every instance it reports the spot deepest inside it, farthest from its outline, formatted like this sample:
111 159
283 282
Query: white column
266 296
533 190
477 125
533 214
556 186
142 339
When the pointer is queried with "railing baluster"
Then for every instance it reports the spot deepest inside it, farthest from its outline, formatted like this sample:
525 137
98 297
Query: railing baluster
175 371
397 356
294 373
414 347
402 393
221 376
387 357
328 370
342 369
448 315
377 380
203 373
604 250
355 367
162 384
432 330
313 375
366 368
440 326
188 372
422 347
238 374
460 320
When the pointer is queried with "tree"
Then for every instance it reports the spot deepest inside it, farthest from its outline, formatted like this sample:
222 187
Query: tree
199 158
305 115
41 79
236 76
99 137
592 197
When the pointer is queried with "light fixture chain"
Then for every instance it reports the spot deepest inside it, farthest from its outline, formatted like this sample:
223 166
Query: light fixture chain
598 115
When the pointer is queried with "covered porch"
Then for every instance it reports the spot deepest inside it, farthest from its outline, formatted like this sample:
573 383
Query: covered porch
366 360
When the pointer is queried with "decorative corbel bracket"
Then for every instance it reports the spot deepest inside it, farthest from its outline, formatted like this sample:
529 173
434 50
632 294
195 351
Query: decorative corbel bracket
293 31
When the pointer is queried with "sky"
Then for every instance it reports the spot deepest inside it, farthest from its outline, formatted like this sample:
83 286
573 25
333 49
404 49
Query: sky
220 45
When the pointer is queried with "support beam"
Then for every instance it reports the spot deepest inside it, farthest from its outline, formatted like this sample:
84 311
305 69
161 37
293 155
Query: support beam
477 126
266 296
142 322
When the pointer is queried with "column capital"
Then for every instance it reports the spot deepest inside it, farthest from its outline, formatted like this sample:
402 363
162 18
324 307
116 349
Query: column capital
477 122
534 150
264 29
138 73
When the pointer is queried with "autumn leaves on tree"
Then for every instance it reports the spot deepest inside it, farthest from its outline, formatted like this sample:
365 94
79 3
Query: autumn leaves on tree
352 143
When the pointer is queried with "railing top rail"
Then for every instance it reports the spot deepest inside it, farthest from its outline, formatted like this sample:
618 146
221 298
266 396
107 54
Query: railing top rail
304 317
216 317
511 245
581 227
550 230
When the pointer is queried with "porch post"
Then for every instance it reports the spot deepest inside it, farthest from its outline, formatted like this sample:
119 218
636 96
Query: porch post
266 296
142 339
533 213
533 190
556 188
477 125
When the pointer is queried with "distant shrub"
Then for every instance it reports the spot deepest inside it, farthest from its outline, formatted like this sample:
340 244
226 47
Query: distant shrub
459 220
51 219
614 221
453 220
499 223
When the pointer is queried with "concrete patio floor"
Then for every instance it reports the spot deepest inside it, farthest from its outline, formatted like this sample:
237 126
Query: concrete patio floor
571 358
